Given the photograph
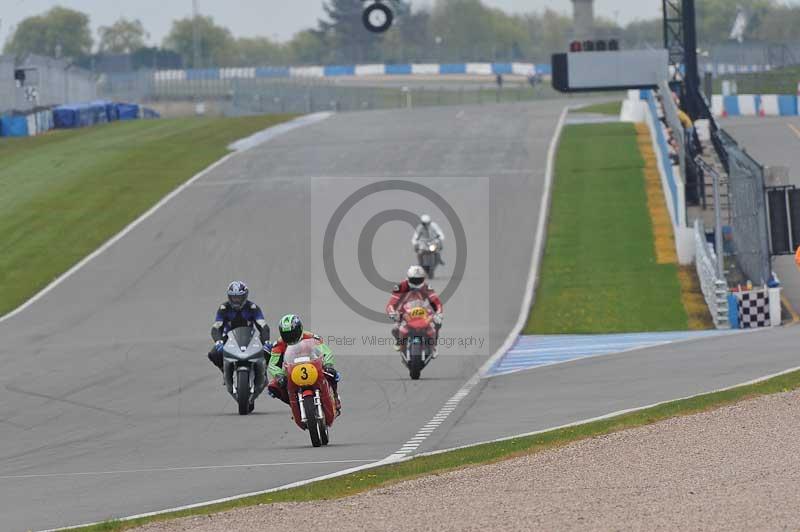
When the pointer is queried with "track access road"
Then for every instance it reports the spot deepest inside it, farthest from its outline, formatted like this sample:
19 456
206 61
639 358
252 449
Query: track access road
108 406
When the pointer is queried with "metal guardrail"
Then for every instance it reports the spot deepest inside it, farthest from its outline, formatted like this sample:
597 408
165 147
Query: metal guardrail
748 211
714 287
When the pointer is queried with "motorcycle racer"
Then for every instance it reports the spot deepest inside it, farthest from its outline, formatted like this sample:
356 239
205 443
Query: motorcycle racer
427 230
415 282
291 330
237 311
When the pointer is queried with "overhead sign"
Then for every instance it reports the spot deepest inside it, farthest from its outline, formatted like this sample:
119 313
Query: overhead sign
609 71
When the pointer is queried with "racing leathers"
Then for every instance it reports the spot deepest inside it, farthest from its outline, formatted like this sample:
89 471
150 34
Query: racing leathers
277 375
228 319
399 296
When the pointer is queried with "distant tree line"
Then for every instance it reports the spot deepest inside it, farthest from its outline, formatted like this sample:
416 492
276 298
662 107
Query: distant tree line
450 31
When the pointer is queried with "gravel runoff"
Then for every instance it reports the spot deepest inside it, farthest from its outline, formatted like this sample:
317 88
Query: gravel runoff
735 468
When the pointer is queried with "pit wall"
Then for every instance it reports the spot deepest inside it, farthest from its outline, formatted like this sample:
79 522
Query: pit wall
641 107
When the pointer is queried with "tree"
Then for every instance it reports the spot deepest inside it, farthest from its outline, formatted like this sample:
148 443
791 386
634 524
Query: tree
345 32
122 37
59 32
216 44
259 51
308 47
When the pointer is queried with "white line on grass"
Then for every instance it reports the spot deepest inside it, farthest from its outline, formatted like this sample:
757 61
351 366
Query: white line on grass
283 128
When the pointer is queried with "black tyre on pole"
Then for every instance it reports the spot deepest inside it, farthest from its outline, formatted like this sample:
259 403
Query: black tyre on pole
243 392
374 9
312 423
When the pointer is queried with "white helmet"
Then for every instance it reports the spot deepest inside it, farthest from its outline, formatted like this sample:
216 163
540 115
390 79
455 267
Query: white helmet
425 219
416 277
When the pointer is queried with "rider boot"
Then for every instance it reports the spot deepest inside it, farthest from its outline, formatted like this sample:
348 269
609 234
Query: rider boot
277 389
398 342
333 377
216 358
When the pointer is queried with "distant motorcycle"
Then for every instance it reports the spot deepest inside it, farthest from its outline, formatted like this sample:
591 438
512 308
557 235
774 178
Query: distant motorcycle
244 367
428 255
417 334
310 394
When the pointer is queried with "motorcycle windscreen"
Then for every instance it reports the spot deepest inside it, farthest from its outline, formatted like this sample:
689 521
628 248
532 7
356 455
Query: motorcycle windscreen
242 336
308 349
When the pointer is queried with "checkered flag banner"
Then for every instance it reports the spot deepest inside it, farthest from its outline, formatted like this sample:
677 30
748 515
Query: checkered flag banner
753 309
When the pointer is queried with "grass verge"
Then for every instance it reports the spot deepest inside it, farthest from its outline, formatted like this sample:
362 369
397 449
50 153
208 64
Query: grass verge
355 483
608 108
600 273
67 192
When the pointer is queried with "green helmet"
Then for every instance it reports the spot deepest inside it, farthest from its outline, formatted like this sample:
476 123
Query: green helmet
291 328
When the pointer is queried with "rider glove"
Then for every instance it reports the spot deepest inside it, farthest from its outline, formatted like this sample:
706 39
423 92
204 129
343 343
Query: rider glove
437 319
268 347
218 345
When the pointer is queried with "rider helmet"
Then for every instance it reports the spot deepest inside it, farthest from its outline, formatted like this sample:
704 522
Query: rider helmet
425 220
237 294
291 329
416 277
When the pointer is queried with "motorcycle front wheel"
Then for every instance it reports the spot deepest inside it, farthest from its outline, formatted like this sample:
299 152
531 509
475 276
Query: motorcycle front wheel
415 363
243 392
312 423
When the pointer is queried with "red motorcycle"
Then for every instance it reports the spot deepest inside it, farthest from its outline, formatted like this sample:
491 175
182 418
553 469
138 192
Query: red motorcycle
418 334
310 394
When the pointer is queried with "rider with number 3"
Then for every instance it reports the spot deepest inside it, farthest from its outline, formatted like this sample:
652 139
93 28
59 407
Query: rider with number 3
291 329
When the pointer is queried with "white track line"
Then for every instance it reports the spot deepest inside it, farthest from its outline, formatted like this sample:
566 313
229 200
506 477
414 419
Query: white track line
172 469
403 455
527 300
240 146
464 391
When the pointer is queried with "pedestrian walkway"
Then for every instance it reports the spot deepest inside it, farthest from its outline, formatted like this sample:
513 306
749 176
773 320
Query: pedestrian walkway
536 351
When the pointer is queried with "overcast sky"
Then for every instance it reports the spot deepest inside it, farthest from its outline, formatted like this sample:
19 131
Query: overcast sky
273 18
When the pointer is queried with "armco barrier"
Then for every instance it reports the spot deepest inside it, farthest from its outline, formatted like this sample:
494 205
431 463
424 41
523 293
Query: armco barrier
333 71
755 105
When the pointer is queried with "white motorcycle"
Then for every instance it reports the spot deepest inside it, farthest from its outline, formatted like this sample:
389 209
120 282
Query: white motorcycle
428 255
244 367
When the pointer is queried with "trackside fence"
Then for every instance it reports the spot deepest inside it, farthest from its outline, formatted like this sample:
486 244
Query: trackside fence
714 287
749 229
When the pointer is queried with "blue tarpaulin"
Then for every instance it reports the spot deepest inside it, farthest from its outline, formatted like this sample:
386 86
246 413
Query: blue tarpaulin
14 126
127 111
71 116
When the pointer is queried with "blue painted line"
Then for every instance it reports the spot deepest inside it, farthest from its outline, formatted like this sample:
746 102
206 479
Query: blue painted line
534 351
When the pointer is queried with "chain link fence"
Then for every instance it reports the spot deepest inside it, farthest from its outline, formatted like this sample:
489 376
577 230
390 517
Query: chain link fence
48 82
748 210
249 95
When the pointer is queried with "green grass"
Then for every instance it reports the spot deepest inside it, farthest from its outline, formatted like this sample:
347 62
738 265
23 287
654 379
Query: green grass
608 108
599 272
67 192
355 483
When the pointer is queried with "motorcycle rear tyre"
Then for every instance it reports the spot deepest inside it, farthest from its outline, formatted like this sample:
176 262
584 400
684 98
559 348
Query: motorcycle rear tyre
312 423
243 392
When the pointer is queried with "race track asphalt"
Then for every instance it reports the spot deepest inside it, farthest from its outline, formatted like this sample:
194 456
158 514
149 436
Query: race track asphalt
108 406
